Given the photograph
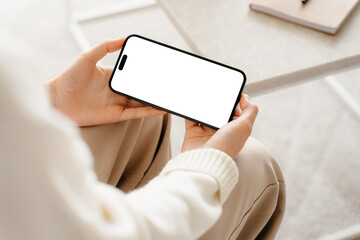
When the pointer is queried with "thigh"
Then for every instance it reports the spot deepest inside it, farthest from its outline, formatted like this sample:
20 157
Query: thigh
127 152
256 205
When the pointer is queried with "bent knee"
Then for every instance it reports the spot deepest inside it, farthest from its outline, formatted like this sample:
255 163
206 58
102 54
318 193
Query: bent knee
257 165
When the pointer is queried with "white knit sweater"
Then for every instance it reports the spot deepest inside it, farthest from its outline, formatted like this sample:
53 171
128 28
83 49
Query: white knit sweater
48 189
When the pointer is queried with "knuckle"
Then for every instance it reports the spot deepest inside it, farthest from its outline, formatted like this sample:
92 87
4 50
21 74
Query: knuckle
106 44
247 125
84 54
256 108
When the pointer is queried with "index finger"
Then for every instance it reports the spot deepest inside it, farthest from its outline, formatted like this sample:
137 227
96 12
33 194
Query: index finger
100 50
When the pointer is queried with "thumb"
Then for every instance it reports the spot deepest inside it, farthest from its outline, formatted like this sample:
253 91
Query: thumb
244 101
249 110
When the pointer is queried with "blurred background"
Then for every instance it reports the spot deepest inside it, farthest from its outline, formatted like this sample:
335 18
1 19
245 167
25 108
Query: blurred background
311 132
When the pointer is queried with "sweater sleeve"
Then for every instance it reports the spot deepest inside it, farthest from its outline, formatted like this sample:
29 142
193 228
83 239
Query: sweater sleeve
49 190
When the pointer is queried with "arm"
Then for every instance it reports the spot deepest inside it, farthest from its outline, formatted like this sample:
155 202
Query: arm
50 191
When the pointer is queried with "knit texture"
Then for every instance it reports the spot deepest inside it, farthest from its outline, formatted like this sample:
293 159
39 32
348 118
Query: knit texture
210 161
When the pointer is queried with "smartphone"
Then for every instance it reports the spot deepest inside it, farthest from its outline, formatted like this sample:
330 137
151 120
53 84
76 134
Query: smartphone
176 81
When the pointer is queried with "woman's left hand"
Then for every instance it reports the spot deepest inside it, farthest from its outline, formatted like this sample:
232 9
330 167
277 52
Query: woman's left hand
82 91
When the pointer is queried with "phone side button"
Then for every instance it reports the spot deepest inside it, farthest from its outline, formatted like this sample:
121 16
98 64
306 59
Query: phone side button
122 63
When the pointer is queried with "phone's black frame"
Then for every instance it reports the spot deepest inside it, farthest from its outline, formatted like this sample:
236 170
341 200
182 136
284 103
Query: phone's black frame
183 51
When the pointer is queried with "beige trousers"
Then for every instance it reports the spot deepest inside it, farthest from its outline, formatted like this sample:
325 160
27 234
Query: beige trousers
129 154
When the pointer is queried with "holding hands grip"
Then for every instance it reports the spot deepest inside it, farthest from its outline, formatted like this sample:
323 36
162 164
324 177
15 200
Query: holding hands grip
82 93
230 138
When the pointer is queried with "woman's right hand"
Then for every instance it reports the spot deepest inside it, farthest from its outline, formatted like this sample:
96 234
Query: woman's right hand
230 138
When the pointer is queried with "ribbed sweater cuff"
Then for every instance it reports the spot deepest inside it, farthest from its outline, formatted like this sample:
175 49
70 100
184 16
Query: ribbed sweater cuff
210 161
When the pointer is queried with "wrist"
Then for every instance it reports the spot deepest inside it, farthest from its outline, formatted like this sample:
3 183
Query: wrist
221 146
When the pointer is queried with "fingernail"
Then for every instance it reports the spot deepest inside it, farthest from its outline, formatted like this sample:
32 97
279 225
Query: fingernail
247 96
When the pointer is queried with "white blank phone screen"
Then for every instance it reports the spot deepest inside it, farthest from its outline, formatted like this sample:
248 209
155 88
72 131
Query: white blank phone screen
179 82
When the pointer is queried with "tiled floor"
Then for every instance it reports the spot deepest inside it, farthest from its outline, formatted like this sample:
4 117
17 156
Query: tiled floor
314 136
316 140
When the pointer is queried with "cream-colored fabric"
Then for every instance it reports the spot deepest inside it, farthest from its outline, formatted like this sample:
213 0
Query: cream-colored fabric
49 190
213 162
124 151
254 208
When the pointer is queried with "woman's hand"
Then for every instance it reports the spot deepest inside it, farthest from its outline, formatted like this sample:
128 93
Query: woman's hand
82 92
230 138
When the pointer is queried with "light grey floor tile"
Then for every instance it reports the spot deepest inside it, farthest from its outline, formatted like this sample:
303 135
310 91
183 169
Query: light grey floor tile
150 22
316 140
